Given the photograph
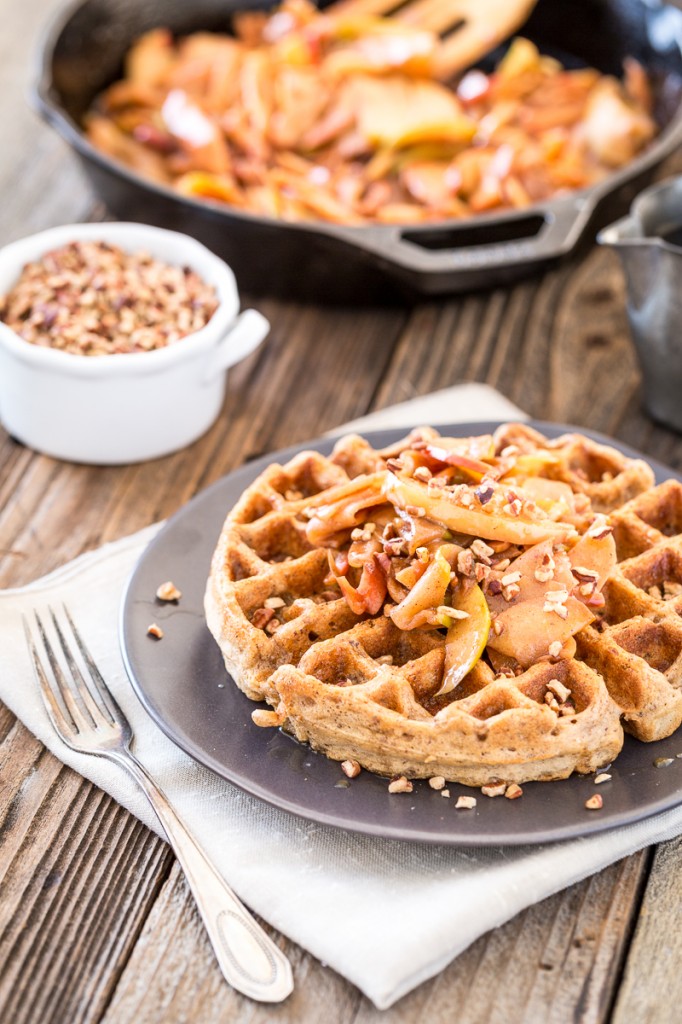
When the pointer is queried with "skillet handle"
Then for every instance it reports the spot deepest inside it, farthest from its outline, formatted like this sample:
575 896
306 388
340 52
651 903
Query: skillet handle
541 234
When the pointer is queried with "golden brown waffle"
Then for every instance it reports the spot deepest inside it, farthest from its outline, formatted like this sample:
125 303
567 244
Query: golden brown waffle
357 687
263 558
607 477
648 519
348 702
641 663
639 648
649 584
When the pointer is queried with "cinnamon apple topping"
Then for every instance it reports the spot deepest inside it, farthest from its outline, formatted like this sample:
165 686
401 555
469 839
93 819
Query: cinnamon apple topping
471 536
307 115
456 608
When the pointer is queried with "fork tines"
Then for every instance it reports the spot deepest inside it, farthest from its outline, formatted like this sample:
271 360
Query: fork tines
75 694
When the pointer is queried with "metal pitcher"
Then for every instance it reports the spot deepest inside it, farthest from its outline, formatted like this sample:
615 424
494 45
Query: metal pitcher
649 243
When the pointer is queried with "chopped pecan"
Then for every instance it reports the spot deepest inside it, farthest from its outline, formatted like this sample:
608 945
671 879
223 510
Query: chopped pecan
494 789
400 784
560 691
91 298
481 572
266 719
482 550
465 562
261 617
168 592
351 769
484 494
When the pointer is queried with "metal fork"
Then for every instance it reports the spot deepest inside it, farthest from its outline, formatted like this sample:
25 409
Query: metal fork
88 719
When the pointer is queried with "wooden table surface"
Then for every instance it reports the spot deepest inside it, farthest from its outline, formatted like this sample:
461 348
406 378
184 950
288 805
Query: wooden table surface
96 921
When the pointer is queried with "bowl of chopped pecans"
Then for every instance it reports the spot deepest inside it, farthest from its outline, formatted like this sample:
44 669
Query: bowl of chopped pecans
115 341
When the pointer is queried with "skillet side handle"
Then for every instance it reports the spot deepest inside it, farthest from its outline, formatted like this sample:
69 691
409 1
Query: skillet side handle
538 235
242 338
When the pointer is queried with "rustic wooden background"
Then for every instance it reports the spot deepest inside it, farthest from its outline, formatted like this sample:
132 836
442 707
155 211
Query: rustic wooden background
96 922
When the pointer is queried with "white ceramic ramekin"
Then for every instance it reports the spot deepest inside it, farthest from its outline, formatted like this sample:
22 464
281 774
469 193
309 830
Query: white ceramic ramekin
129 407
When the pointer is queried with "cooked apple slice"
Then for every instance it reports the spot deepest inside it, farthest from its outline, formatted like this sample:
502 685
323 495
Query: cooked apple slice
397 111
597 554
534 617
337 508
466 638
473 468
540 569
527 629
553 497
533 463
521 57
369 595
428 592
488 525
477 448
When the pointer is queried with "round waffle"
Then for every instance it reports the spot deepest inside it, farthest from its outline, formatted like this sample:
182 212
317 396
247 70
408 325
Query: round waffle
311 584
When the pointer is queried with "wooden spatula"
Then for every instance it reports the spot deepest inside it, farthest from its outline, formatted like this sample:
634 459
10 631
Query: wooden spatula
469 29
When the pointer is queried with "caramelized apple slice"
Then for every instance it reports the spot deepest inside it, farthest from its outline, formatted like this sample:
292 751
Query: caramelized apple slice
466 638
397 111
540 609
552 496
473 468
488 525
527 629
338 507
536 572
597 555
427 593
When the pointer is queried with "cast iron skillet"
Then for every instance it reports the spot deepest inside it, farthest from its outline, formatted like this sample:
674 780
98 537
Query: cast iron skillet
82 53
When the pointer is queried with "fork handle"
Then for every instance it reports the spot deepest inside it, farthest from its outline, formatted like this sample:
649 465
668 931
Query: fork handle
248 958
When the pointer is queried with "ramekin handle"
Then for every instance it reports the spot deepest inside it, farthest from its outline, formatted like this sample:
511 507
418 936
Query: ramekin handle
244 336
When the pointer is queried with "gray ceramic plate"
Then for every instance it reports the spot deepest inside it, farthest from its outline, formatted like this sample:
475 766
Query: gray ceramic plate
182 683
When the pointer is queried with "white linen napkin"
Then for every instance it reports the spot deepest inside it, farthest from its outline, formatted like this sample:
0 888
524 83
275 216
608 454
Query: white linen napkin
387 915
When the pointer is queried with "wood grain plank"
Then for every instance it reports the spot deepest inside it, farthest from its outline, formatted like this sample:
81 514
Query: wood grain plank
560 954
651 989
78 877
172 976
552 963
40 181
442 344
594 374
